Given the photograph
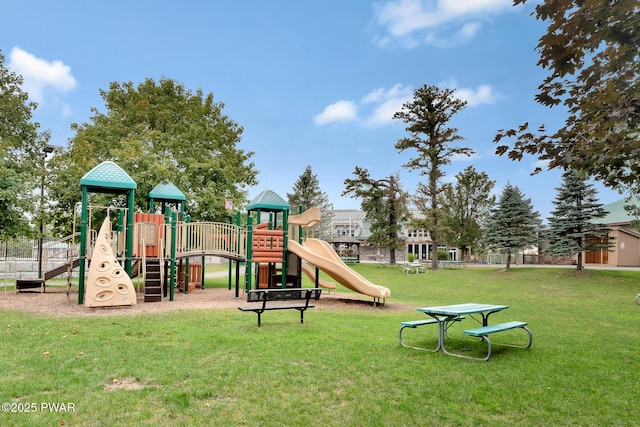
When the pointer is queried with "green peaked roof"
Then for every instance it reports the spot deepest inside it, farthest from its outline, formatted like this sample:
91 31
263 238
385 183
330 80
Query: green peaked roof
617 214
269 201
108 175
166 191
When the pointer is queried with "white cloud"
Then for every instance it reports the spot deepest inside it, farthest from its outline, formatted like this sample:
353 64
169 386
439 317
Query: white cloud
337 112
39 74
383 104
382 94
378 106
460 37
403 18
483 94
388 103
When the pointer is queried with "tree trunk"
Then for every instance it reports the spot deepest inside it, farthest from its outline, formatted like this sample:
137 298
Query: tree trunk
579 266
434 255
508 260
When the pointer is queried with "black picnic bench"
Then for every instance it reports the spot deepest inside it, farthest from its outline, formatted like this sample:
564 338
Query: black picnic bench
273 299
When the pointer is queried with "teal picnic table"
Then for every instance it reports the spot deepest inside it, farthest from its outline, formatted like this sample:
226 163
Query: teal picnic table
414 268
446 314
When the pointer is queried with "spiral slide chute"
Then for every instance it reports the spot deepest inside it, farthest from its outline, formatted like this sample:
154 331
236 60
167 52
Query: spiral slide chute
310 271
322 255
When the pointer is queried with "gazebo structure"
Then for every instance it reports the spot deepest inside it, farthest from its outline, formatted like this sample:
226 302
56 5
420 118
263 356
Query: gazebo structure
108 178
347 247
166 193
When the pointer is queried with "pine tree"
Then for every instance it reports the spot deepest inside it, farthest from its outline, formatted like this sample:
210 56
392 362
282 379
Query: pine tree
573 229
307 193
385 204
513 224
427 117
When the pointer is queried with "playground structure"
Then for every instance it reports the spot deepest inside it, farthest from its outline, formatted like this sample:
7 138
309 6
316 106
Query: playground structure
162 247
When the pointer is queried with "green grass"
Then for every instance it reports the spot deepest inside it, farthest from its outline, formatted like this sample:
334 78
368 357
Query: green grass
342 367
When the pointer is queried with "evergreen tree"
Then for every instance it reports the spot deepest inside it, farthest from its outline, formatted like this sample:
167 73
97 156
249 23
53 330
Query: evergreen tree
427 116
513 224
385 205
307 193
573 229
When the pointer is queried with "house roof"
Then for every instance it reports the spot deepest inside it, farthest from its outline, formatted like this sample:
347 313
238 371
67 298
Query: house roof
107 175
617 214
348 216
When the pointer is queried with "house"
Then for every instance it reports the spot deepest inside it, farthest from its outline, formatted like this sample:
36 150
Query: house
625 251
351 225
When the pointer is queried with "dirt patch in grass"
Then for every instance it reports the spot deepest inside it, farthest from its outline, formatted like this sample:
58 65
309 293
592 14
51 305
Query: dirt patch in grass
128 383
55 301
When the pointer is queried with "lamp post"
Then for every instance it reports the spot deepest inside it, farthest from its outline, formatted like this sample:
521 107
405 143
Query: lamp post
48 149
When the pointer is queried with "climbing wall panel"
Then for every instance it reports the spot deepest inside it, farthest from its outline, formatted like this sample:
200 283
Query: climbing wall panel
108 285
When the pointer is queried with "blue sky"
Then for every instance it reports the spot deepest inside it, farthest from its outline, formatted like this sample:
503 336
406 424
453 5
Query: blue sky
311 82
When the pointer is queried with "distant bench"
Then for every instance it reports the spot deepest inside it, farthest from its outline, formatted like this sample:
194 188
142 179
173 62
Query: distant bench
271 299
415 323
445 264
485 331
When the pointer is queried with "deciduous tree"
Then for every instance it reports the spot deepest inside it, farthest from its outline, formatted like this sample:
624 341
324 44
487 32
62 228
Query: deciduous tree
160 131
592 52
427 116
466 207
21 148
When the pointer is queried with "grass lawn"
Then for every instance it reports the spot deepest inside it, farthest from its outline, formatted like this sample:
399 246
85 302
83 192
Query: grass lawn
342 367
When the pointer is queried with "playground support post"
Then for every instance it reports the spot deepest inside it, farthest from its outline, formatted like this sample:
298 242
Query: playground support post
172 281
128 251
247 273
83 246
285 233
186 219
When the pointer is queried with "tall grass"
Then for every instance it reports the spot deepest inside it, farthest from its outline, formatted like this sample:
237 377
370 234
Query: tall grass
343 367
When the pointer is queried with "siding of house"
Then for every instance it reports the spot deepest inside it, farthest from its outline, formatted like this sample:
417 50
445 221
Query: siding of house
627 253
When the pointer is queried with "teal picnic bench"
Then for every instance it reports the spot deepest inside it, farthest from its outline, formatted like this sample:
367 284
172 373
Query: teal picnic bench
637 298
415 323
484 332
275 299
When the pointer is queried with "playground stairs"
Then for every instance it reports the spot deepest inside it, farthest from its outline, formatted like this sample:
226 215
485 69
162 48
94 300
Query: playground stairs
153 281
22 284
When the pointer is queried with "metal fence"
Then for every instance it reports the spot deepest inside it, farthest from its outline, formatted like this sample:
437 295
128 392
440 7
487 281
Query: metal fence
24 249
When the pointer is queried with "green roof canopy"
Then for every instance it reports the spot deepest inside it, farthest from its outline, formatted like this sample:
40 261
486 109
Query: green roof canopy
268 201
617 214
108 175
166 191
